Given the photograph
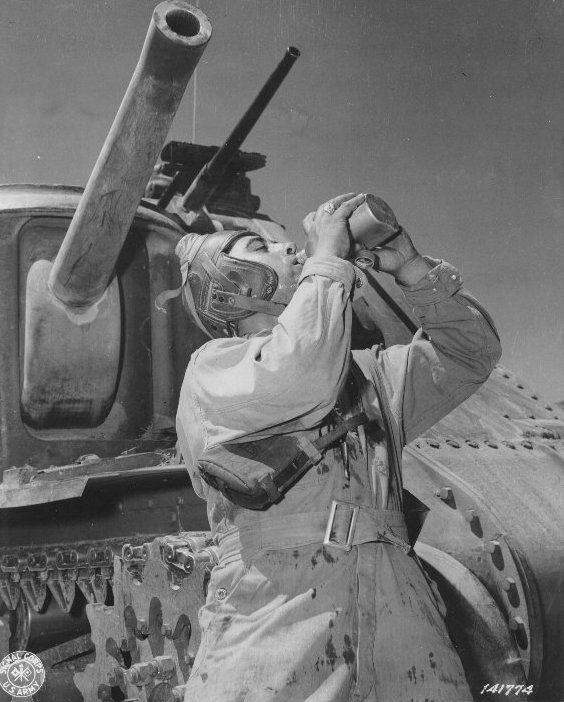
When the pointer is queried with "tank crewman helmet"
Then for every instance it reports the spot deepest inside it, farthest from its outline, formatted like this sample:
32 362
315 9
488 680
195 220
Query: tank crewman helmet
219 290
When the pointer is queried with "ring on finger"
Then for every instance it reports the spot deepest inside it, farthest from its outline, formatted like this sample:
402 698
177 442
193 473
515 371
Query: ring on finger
329 208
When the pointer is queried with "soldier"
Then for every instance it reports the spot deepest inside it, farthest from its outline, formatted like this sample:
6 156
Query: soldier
317 595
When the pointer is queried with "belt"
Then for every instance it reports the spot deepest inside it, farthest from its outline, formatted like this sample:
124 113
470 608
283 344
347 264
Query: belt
344 526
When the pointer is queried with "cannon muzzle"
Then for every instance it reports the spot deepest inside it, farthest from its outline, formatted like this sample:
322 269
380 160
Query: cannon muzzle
177 37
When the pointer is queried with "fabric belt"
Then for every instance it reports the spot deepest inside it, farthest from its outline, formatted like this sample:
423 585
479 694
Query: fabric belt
344 526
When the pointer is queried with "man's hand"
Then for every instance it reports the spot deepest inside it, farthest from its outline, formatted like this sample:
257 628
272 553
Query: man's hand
326 228
401 259
328 234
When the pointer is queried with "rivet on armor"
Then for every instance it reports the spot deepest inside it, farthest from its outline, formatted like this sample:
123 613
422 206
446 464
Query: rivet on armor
220 593
445 493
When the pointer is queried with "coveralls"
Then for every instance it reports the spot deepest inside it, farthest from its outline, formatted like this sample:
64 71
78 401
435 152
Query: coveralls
287 619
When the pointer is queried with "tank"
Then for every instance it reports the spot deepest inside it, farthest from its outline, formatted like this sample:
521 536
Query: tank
104 552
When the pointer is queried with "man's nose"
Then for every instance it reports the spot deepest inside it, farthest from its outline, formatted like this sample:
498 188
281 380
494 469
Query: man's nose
290 248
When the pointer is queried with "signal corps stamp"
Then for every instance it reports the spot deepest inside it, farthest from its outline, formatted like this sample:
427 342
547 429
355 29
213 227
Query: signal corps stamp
21 674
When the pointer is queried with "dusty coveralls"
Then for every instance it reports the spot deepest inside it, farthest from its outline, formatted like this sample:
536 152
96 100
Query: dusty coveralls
285 618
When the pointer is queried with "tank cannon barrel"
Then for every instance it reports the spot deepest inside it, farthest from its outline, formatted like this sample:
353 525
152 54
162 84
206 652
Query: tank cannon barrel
209 177
177 36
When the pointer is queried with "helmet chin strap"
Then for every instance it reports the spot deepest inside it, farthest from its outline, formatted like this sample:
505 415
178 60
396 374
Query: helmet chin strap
255 304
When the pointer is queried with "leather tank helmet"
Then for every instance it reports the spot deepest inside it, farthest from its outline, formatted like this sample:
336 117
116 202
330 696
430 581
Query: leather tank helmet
219 290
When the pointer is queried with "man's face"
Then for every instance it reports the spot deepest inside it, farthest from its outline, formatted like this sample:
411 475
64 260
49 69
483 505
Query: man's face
281 257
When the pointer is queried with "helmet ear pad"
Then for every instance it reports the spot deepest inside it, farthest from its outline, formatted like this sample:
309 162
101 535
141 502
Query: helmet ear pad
226 289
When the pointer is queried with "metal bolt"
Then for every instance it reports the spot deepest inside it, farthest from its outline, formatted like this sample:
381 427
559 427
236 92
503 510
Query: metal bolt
178 693
470 515
124 645
141 673
142 627
445 493
517 625
509 585
166 630
166 667
221 593
493 547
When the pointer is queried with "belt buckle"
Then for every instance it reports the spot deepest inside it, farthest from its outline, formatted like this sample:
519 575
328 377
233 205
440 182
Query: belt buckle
341 510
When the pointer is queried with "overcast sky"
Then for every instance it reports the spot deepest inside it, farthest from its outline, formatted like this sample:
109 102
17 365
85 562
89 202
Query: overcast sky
450 110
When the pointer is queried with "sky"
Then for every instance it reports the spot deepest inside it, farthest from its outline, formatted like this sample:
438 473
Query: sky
450 111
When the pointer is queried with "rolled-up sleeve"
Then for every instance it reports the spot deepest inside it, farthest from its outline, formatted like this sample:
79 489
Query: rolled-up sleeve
451 355
290 376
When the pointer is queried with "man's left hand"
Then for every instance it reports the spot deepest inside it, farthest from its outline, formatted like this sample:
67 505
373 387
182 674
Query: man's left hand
401 259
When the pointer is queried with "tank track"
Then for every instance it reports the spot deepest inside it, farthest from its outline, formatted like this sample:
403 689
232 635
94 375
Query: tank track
145 642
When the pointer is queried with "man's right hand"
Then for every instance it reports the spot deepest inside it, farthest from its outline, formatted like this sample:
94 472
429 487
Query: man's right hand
326 228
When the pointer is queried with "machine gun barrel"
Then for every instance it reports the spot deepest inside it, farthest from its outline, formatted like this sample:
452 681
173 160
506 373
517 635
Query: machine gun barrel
209 177
177 36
